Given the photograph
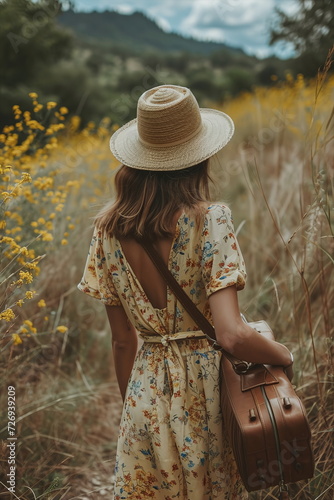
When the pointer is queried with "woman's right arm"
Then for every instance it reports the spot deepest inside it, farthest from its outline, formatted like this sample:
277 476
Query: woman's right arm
238 338
124 345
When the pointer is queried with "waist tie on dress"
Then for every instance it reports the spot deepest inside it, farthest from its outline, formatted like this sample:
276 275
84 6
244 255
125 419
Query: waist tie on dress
175 361
166 339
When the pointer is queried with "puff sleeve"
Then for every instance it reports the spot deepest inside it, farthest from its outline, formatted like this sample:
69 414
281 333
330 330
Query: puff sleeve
97 279
222 261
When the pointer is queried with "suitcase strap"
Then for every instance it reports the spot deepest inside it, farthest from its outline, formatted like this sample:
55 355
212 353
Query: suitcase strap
239 366
283 492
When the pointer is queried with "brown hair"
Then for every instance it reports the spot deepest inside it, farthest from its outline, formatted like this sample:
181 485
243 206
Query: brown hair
146 201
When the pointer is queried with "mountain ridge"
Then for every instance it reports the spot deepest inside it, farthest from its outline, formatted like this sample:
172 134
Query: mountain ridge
135 30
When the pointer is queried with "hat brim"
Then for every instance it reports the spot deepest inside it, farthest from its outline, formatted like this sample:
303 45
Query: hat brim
217 129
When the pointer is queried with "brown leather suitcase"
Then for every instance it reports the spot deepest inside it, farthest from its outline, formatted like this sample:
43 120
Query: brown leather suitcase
267 424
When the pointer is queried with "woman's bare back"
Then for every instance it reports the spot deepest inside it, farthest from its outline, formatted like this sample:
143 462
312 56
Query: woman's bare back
147 274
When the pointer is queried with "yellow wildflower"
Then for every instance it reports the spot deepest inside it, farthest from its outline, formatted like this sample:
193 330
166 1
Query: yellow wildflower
41 303
16 339
43 183
33 124
26 276
46 236
64 241
26 177
20 302
51 105
38 108
63 110
33 95
62 329
30 294
8 128
7 315
6 196
30 325
32 266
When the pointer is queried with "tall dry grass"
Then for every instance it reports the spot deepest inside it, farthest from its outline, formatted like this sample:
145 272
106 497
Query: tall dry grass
49 338
284 209
277 176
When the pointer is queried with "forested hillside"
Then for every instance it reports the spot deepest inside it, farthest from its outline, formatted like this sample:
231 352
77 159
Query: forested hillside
136 31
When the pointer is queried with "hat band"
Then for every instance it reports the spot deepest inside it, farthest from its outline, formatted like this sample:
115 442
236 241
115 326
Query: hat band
174 143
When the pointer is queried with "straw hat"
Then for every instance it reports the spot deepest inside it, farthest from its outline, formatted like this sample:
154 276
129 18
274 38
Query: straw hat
170 132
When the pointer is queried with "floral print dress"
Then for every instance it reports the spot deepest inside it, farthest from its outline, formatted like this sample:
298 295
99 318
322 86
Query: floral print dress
172 443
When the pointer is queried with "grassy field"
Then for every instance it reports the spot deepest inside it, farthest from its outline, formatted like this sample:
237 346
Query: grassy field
277 177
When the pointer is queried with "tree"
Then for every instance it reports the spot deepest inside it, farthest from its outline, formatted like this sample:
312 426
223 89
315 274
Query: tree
30 38
239 80
310 30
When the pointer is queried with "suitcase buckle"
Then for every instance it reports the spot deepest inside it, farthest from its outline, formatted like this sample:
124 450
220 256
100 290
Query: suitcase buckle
242 367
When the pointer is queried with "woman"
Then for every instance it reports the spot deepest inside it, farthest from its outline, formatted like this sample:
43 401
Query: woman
171 442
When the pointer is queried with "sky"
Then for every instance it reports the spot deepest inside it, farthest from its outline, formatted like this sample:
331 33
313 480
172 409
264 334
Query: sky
239 23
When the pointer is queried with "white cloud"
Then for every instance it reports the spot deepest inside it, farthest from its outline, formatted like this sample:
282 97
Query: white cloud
170 8
124 9
163 23
240 23
288 6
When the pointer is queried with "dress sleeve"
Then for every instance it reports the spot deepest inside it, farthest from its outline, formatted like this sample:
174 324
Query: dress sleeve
222 261
97 277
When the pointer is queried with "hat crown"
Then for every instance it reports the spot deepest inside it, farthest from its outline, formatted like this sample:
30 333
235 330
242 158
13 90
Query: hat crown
164 95
167 115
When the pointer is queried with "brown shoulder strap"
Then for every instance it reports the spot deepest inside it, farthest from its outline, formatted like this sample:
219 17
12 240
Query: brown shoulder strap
181 295
201 321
